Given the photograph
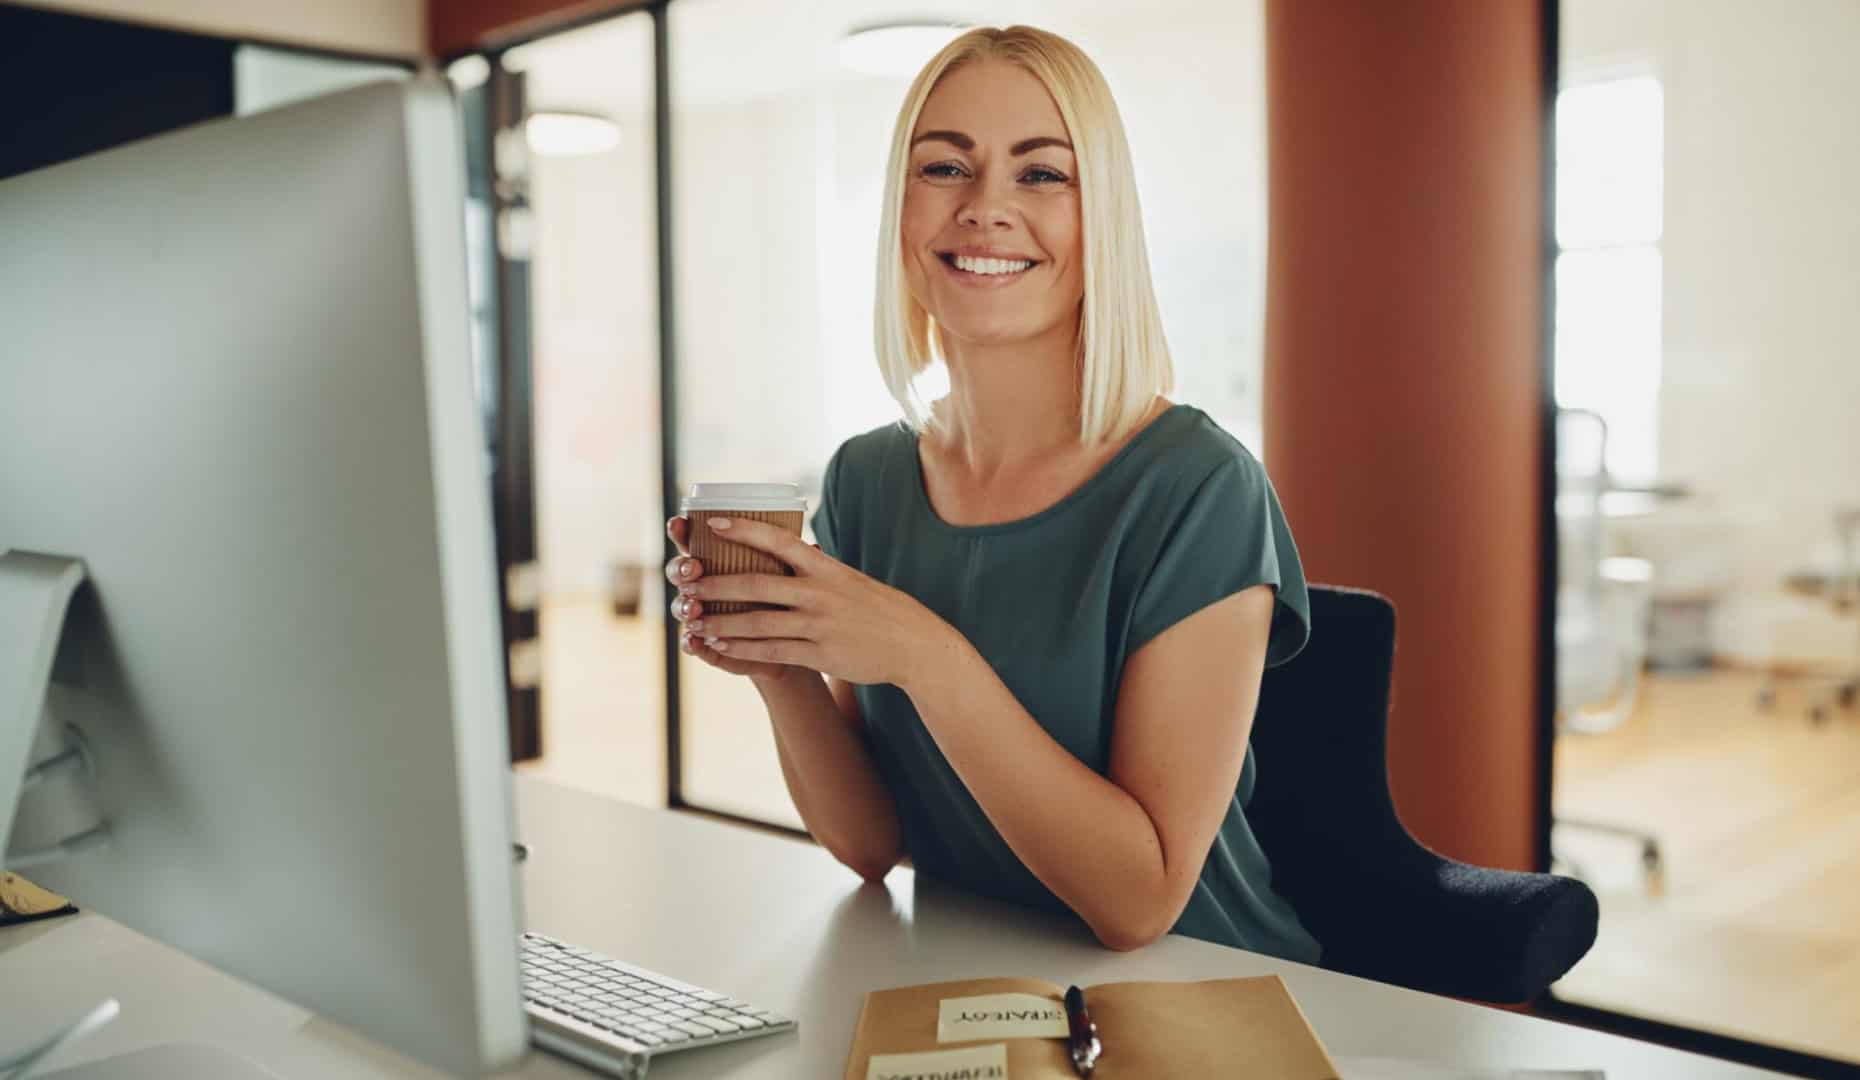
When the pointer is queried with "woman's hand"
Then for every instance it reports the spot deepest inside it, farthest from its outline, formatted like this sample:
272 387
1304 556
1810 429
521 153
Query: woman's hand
685 570
839 622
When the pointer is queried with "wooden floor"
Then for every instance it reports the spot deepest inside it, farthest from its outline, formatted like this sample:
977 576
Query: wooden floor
1755 933
604 718
1754 929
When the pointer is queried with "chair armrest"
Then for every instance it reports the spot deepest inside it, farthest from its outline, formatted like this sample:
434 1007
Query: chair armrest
1465 931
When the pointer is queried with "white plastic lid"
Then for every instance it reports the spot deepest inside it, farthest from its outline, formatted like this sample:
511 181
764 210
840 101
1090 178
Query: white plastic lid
771 498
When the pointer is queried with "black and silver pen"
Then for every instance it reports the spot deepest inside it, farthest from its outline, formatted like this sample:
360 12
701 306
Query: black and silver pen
1081 1033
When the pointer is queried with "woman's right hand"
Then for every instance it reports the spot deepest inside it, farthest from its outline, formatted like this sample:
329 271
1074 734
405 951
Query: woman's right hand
684 570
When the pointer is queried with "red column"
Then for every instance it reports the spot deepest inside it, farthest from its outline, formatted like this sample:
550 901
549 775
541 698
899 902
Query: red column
1402 396
456 26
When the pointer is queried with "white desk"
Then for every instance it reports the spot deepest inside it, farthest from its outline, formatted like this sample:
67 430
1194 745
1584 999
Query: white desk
772 920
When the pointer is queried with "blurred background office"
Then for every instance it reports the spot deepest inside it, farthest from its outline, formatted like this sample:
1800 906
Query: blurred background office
1600 448
1708 349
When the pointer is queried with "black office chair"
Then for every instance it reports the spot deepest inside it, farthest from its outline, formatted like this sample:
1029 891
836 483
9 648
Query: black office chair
1381 905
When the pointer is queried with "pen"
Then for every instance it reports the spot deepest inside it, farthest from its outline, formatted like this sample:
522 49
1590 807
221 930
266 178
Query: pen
1081 1033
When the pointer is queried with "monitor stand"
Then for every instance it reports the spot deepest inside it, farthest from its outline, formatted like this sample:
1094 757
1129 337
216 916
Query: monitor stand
35 594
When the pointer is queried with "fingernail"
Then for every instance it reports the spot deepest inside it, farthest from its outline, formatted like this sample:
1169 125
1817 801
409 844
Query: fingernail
695 625
719 524
684 568
718 644
684 642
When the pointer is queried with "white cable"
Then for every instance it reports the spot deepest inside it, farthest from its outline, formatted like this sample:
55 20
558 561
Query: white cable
23 1063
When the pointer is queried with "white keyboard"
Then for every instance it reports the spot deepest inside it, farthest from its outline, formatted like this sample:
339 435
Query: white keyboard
614 1017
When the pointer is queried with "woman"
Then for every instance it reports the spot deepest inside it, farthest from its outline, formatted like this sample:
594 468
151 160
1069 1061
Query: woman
1028 649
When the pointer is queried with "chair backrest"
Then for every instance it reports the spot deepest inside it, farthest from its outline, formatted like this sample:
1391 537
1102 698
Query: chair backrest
1322 806
1581 479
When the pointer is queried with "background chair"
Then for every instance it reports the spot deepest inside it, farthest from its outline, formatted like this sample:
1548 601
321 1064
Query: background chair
1602 612
1383 906
1841 589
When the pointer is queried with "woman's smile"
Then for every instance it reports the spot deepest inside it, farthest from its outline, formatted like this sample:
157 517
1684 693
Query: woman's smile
977 268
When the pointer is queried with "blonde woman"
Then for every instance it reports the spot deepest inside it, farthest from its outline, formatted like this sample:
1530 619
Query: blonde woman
1028 650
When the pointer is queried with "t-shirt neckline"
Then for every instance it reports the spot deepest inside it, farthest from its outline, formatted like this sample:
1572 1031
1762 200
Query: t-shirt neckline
922 491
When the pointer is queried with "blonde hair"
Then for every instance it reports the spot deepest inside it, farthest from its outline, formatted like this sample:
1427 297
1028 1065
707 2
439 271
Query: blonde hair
1123 358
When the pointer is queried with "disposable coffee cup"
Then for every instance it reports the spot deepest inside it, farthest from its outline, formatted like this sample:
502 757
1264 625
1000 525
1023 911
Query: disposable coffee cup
780 505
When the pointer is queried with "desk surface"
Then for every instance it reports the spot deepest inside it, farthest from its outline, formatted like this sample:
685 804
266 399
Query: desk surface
772 920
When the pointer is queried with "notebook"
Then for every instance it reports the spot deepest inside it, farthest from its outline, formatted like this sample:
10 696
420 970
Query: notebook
1149 1030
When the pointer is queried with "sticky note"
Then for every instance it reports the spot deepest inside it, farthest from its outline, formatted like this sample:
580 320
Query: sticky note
963 1063
1000 1016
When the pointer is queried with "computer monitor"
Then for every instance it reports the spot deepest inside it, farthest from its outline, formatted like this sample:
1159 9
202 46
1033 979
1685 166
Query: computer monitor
235 382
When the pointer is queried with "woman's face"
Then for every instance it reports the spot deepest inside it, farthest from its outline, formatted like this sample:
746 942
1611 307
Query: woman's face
990 224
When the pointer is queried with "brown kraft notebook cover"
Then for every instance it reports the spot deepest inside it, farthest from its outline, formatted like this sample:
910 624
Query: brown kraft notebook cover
1150 1030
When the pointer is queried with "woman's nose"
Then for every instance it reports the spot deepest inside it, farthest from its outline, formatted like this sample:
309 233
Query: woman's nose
986 210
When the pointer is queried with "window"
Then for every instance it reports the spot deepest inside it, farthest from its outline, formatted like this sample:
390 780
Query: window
1609 155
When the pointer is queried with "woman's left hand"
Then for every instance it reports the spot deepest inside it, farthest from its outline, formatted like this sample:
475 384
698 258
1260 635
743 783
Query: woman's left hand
839 622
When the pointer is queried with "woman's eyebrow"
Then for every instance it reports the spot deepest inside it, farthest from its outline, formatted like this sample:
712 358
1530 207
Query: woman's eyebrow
956 138
1027 145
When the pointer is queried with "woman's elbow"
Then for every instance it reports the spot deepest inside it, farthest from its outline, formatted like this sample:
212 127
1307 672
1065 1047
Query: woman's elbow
870 865
1130 934
872 870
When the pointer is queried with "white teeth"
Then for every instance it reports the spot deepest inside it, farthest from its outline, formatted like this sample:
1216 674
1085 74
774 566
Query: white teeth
991 266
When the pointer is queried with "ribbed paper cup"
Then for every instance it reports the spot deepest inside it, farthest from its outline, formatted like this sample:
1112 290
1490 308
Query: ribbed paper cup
777 504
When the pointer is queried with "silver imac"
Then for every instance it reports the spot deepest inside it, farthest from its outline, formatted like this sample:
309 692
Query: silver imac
236 402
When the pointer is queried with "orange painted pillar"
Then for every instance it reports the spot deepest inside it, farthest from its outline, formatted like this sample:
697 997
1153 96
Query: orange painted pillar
1403 405
458 26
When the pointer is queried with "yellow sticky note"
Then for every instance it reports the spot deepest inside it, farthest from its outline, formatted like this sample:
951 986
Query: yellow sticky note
963 1063
21 897
1000 1016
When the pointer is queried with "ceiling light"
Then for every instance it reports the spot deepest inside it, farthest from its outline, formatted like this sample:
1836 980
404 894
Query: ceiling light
896 50
561 133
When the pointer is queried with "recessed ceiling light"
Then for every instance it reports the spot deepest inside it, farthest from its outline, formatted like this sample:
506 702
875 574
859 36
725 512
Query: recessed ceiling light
564 133
895 50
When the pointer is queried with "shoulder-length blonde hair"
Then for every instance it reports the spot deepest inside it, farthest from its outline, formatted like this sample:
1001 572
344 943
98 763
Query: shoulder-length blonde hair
1123 357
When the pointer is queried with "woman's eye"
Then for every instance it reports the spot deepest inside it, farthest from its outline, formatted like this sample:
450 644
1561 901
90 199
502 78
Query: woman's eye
1040 174
942 170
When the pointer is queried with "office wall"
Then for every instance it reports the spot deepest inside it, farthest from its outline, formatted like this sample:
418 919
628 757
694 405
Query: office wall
1403 395
1761 325
72 86
374 27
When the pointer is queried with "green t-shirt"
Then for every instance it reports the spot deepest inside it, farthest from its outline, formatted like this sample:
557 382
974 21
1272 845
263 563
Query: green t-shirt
1183 516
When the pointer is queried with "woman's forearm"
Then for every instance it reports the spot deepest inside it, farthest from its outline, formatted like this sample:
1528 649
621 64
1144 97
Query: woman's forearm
830 774
1085 838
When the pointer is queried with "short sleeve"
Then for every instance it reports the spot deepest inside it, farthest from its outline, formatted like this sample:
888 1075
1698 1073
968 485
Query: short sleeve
825 520
1229 536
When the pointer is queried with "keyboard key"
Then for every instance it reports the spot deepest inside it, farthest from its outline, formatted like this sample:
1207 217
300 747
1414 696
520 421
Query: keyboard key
694 1030
748 1023
721 1027
706 995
